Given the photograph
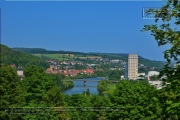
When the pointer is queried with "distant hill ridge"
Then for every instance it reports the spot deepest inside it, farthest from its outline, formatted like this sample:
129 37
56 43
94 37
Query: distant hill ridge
121 56
44 51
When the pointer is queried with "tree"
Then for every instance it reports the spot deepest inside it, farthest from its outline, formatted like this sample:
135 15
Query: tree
102 87
55 98
19 58
11 92
43 90
86 92
154 77
135 100
165 34
78 101
97 103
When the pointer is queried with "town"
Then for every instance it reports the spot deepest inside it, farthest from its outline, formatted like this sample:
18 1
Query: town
130 69
89 60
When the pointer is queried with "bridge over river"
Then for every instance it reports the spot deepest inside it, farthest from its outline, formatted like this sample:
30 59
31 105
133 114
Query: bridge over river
94 80
83 80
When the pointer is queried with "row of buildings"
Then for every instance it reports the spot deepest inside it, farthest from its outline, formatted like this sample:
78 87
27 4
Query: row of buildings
70 72
131 69
66 68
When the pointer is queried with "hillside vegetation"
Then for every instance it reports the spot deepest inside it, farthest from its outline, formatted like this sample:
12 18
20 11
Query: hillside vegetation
10 56
70 55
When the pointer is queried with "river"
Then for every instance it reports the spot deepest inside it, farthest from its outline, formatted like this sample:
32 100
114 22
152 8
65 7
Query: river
79 87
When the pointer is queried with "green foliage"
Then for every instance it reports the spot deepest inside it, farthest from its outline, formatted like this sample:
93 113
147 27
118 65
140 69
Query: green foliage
164 34
81 76
62 81
37 84
110 74
169 96
60 57
154 77
31 50
158 65
10 56
135 100
37 89
54 97
67 85
79 67
86 92
43 90
11 93
102 87
79 101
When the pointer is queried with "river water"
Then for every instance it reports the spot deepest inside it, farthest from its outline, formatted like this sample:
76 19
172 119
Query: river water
79 87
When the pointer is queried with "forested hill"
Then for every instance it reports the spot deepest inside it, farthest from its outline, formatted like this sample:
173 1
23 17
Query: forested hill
120 56
10 56
44 51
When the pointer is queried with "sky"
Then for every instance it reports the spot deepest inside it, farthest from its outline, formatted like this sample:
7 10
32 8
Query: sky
83 26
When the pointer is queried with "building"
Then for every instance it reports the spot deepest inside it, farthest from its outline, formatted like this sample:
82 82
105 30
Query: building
114 61
152 73
141 74
157 84
122 77
20 71
131 71
48 70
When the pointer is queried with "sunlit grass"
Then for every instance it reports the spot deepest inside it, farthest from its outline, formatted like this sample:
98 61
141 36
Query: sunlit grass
60 57
65 57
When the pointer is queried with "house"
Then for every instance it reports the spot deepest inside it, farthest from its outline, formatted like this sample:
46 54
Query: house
89 71
56 71
114 61
48 70
20 71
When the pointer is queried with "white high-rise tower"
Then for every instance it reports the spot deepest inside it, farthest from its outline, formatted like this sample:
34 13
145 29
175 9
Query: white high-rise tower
131 71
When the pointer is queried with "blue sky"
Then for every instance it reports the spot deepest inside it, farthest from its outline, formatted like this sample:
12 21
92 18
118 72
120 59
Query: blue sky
112 27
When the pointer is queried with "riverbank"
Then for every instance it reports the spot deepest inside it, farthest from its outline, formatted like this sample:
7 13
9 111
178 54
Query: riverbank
79 87
66 85
106 87
83 76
